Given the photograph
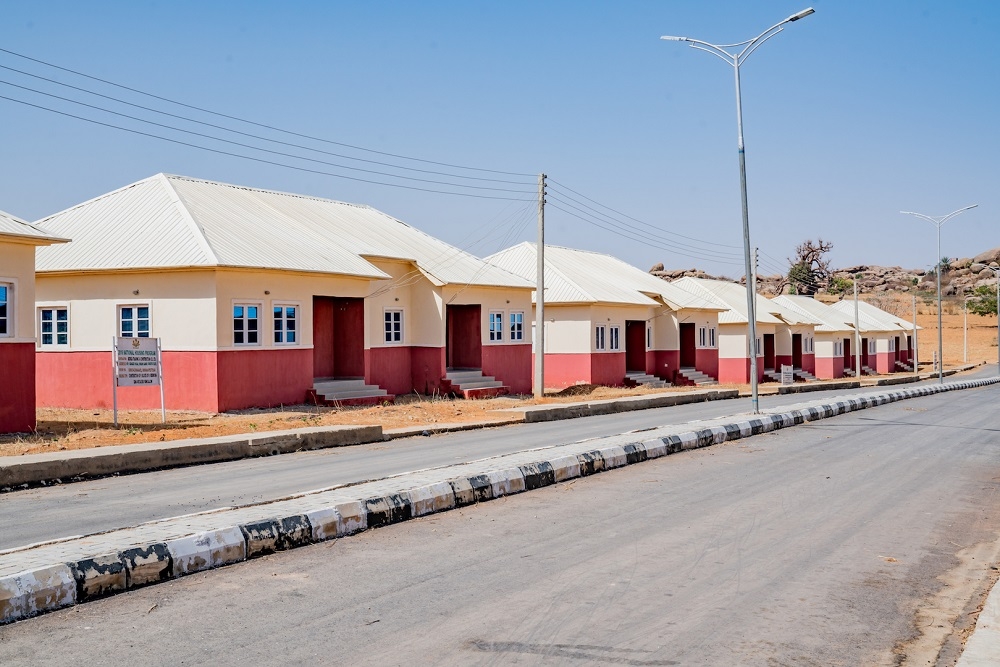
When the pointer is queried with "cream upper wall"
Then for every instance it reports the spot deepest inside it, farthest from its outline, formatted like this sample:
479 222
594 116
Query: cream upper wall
733 340
409 291
17 267
700 318
492 299
181 304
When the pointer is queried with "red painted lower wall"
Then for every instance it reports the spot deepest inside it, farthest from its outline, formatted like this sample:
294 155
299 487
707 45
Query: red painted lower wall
706 360
885 362
511 364
665 364
737 370
390 368
566 369
263 378
809 363
650 362
829 368
427 368
17 388
608 368
782 360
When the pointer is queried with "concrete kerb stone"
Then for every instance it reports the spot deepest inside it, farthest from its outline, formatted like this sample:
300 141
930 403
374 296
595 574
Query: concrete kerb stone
44 589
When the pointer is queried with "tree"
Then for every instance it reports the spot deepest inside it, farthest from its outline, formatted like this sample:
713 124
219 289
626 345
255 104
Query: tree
810 269
985 301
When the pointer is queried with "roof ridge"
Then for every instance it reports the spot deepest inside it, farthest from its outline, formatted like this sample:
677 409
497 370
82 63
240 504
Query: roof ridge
194 179
97 198
199 233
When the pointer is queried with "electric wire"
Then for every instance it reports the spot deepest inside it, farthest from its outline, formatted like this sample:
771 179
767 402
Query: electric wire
257 124
258 159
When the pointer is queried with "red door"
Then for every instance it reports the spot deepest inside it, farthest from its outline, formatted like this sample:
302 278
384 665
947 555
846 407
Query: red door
635 346
848 357
896 354
769 352
687 346
864 352
338 337
796 350
464 337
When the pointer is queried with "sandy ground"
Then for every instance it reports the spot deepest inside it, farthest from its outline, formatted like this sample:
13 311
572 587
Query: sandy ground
81 429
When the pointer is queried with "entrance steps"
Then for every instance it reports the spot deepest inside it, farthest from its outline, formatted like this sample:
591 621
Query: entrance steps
695 377
636 378
867 370
471 383
805 376
903 366
353 391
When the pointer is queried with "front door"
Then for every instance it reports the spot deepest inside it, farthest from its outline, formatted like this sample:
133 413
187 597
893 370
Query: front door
896 354
796 350
864 352
464 337
848 357
769 352
338 337
635 345
688 345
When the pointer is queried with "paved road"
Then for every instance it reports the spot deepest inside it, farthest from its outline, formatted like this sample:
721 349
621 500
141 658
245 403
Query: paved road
41 514
810 546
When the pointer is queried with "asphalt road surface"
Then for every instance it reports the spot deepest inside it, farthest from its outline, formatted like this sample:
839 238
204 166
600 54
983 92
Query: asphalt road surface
40 514
817 545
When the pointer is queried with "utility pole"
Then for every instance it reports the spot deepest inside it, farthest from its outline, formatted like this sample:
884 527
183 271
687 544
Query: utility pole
857 333
756 259
540 294
913 352
965 332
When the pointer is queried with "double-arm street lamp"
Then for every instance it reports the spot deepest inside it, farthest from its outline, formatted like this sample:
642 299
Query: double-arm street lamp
736 59
938 222
996 274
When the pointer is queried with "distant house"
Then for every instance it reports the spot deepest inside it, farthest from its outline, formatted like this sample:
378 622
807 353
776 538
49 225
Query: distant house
606 321
261 297
784 336
18 241
833 334
887 340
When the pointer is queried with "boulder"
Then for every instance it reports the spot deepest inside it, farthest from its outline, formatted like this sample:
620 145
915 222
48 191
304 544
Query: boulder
976 267
988 256
657 267
986 273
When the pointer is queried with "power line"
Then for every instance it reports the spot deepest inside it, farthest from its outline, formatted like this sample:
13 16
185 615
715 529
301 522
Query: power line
227 129
254 123
257 159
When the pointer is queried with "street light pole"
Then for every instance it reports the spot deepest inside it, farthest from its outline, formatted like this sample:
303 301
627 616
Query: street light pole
939 222
737 59
996 274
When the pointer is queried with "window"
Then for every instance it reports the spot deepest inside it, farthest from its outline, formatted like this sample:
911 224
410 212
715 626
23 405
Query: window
246 324
517 326
892 344
394 326
649 338
6 312
54 326
706 336
599 337
133 321
872 346
615 336
286 324
757 354
496 326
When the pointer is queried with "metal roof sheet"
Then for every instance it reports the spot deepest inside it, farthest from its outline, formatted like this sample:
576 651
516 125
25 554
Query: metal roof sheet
872 318
828 319
175 221
733 297
12 227
583 276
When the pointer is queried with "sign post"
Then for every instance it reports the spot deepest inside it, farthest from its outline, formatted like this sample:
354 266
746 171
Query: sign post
787 374
137 363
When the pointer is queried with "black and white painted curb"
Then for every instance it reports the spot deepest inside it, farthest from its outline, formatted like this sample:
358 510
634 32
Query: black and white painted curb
38 579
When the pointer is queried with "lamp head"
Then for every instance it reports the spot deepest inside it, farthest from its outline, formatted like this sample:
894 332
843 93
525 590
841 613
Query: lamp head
801 15
674 39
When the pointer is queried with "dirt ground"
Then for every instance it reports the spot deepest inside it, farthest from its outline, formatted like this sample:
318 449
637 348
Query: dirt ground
83 429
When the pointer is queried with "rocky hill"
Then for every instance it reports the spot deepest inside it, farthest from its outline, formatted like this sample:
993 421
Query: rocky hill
959 277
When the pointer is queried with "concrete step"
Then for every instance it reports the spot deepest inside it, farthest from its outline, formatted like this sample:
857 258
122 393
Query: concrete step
360 393
484 384
467 374
332 385
348 390
697 377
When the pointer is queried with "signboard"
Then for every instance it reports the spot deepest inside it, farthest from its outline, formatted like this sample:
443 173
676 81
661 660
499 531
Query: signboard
787 374
137 362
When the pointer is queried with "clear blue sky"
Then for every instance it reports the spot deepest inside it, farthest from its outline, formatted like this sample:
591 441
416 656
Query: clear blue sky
859 111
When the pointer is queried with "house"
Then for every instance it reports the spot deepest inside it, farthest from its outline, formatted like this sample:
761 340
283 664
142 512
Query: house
261 297
887 340
18 241
784 336
607 322
833 333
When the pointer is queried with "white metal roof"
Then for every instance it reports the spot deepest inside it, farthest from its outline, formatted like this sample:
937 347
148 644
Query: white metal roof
829 320
733 297
582 276
13 228
872 318
175 221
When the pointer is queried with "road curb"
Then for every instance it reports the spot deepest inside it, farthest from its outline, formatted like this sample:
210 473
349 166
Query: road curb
53 586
